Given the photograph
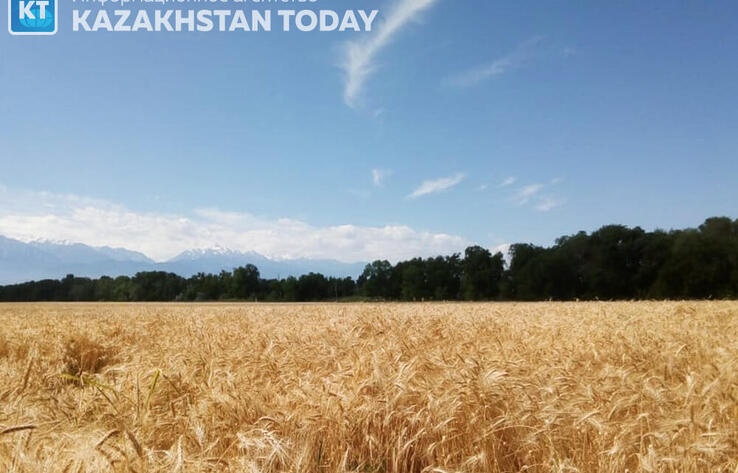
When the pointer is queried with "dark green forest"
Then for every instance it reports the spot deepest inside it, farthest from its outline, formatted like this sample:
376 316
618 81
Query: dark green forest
612 263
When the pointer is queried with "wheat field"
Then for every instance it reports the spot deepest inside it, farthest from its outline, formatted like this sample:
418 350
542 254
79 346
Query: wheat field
550 387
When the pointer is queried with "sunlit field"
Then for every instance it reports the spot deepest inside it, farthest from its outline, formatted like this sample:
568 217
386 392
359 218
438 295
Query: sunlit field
588 387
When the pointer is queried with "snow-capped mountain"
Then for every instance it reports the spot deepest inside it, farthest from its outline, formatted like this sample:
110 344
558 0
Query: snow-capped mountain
214 260
214 252
43 259
35 260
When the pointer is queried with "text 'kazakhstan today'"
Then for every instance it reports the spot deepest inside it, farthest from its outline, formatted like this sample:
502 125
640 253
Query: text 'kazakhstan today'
222 20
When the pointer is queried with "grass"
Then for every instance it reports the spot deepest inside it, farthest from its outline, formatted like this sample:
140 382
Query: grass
588 387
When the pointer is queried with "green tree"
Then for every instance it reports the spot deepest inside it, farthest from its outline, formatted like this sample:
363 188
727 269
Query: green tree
376 280
245 282
482 274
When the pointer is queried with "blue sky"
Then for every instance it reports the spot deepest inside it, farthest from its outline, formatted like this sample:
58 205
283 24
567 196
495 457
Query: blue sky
450 123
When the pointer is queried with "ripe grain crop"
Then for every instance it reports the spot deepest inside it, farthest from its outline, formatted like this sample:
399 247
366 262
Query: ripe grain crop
550 387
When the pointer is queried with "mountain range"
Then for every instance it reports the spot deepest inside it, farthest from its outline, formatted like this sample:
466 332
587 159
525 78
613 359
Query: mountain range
36 260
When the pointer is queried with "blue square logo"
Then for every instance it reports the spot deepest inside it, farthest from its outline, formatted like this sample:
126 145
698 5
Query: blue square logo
32 17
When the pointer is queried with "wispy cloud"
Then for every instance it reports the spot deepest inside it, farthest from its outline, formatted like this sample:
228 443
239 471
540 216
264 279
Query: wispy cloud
437 185
359 56
524 194
379 176
515 59
539 196
29 215
549 203
508 182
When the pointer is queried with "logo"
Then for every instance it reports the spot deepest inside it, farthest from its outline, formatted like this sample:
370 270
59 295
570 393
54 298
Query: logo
32 17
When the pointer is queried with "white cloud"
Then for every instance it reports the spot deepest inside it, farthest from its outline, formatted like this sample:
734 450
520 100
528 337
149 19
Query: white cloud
508 182
379 175
549 203
359 56
517 58
503 248
438 185
26 216
532 194
524 194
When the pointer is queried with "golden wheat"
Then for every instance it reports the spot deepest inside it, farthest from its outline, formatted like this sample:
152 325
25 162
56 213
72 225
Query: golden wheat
588 387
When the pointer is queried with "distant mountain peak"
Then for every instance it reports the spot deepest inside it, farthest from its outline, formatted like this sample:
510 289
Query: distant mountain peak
49 241
213 251
53 259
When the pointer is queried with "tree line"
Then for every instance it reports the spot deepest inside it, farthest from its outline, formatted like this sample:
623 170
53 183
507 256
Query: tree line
613 263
